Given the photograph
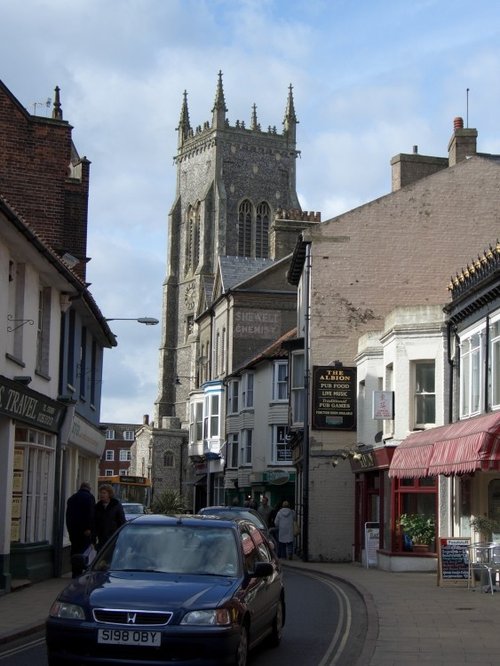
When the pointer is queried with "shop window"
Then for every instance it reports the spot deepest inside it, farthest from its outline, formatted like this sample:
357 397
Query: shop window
32 485
424 393
413 496
281 449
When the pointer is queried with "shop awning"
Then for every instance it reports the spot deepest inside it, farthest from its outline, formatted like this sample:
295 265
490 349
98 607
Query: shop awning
411 457
458 448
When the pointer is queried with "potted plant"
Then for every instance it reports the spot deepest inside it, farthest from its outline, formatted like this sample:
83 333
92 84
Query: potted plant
421 530
484 526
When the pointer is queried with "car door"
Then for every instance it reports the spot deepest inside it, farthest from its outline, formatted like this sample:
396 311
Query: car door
259 592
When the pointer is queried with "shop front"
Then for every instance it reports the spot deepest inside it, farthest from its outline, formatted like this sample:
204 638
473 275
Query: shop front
30 425
372 497
451 473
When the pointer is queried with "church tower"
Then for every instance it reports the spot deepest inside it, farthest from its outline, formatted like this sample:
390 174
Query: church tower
233 181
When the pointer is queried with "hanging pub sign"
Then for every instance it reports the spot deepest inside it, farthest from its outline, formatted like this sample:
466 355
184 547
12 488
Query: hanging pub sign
333 398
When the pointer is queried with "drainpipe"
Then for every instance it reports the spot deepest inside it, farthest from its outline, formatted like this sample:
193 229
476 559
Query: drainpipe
486 405
60 486
305 456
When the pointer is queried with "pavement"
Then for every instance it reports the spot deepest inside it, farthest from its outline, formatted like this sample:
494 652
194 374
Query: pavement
410 619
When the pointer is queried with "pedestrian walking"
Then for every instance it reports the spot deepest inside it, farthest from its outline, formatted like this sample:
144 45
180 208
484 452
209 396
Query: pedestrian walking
80 512
284 522
109 515
264 509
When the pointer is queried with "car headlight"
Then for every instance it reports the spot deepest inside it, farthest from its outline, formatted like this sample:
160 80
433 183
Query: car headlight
211 617
67 611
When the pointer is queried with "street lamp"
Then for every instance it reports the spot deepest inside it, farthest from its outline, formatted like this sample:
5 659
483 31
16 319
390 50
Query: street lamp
149 321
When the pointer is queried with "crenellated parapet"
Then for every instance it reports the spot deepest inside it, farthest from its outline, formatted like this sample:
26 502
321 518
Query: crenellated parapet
297 214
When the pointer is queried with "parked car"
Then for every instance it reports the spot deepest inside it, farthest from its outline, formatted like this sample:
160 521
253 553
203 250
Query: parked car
186 589
133 509
245 512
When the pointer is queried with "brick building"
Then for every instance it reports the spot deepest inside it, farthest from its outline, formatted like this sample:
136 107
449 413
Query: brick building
398 250
53 341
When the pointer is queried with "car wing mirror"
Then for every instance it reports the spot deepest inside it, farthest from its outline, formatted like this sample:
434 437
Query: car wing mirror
262 570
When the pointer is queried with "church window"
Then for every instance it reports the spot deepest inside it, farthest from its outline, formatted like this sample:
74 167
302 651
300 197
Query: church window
253 229
262 231
245 229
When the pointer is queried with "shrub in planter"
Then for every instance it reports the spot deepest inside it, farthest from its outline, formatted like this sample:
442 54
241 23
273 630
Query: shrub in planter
421 529
485 526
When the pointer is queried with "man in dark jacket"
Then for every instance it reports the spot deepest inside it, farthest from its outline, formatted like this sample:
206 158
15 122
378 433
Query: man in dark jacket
109 515
80 523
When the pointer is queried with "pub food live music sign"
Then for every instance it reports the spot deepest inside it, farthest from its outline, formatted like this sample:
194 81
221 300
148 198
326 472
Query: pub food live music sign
333 398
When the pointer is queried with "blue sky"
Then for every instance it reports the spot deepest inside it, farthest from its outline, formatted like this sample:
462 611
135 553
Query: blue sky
371 78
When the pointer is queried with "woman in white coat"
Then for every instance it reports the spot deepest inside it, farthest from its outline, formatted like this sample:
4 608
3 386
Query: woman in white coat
284 522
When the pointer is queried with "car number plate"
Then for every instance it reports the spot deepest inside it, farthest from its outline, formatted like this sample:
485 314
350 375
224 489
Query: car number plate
129 637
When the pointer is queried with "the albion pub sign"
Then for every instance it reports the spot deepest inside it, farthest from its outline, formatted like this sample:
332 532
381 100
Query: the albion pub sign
334 398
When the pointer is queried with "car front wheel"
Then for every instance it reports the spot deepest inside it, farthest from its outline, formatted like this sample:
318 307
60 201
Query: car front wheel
242 651
277 630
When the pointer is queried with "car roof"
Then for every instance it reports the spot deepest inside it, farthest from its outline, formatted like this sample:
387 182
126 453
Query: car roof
225 510
184 519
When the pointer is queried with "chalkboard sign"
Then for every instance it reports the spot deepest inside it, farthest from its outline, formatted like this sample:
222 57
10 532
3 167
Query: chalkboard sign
453 561
372 536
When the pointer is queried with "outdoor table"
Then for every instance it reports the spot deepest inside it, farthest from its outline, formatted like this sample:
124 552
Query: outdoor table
484 557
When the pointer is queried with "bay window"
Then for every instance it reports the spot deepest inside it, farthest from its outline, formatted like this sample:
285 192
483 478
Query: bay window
471 360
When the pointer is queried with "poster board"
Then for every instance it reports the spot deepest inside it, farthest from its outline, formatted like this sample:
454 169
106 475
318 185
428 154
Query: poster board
372 537
453 561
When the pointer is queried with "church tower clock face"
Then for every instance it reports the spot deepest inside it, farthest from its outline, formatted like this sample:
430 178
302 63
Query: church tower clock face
189 297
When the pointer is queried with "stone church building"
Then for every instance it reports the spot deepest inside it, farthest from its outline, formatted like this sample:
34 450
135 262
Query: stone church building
235 206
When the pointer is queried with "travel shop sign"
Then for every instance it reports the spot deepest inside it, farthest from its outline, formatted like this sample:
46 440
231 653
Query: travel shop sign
334 398
25 405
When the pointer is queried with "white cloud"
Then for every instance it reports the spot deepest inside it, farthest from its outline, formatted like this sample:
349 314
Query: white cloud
371 79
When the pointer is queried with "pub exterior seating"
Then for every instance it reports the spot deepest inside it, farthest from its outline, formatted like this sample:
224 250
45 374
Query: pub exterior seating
484 558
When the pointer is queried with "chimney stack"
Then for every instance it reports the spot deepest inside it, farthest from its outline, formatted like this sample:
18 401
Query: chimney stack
462 144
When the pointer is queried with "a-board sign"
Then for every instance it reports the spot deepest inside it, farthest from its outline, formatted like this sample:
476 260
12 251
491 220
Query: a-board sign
453 561
372 536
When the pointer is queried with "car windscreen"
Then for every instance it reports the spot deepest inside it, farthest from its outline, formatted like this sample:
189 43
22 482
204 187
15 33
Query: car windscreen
176 548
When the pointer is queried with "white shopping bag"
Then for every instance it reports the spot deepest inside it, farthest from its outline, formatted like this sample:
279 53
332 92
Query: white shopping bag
89 554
